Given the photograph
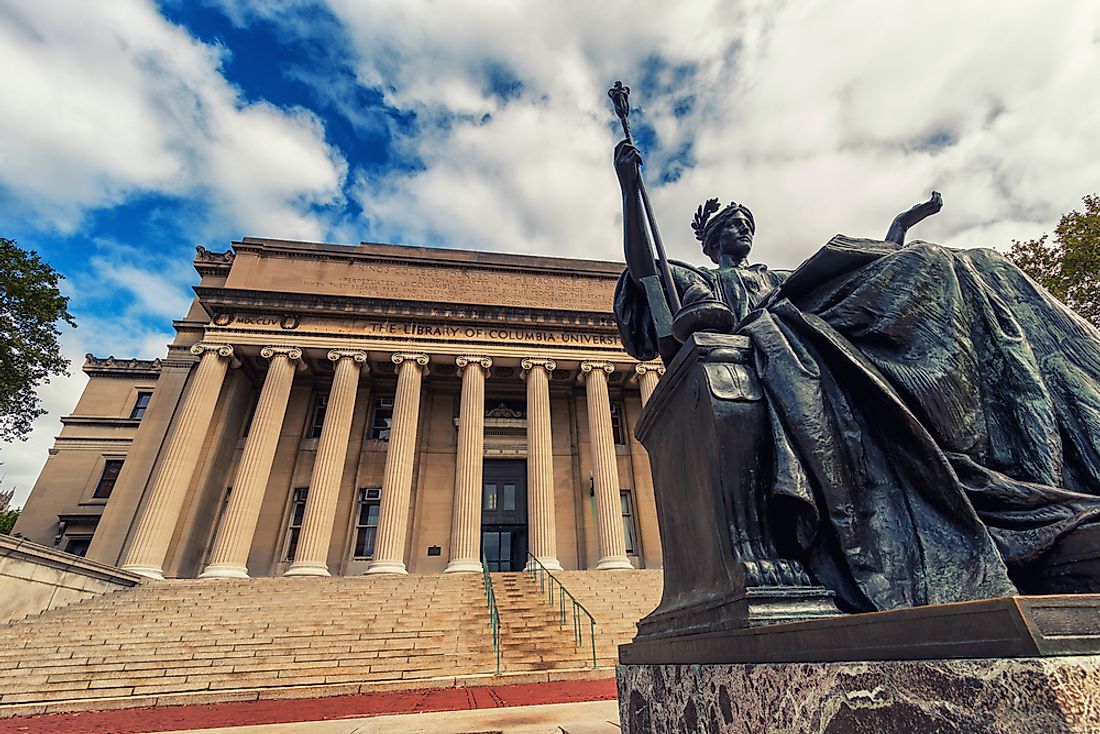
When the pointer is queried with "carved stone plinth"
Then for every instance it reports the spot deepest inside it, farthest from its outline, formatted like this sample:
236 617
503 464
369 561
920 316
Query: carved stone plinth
1056 695
708 436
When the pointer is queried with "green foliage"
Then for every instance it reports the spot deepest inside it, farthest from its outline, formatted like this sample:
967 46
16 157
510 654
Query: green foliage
7 521
31 305
1069 265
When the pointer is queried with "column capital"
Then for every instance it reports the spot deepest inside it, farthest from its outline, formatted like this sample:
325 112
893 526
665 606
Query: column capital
531 362
291 353
643 367
223 350
356 355
587 367
421 359
468 359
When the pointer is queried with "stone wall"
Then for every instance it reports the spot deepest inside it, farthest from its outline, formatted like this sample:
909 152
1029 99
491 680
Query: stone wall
34 578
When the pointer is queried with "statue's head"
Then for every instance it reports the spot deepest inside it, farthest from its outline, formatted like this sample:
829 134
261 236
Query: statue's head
730 231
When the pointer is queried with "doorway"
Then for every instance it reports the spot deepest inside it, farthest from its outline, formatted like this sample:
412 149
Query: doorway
504 514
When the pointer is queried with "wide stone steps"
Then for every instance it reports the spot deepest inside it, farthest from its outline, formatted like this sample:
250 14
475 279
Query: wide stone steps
216 640
183 637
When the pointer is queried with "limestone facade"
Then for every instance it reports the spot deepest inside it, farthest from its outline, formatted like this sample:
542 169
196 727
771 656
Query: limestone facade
339 410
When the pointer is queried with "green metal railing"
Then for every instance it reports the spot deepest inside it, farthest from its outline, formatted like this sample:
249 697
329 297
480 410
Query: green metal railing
547 581
494 615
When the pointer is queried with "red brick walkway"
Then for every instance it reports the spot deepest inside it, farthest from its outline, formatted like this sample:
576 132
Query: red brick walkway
176 718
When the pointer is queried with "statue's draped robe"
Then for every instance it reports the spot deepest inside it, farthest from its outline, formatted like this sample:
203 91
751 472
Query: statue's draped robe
935 415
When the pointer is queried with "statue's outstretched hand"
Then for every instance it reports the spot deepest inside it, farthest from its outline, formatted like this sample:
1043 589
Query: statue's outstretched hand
628 161
923 210
912 216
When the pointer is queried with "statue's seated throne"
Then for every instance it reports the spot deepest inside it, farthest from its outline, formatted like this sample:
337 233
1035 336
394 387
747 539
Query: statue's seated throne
707 432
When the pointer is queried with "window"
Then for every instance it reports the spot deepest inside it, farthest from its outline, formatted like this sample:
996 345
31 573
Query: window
111 468
297 512
629 533
366 522
382 418
141 404
78 545
618 427
317 421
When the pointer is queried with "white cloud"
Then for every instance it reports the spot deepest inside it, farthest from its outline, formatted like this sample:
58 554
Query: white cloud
107 100
821 117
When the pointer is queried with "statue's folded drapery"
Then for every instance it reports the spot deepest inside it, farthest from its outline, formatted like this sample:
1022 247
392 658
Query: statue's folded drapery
935 415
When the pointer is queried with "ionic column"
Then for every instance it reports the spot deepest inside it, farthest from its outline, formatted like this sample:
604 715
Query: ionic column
648 376
466 515
311 555
229 557
541 527
155 528
605 471
393 515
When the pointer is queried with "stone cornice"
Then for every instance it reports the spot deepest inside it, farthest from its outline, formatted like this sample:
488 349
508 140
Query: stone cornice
221 300
96 420
111 367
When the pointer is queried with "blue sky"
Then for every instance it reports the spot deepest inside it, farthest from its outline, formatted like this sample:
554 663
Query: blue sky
132 130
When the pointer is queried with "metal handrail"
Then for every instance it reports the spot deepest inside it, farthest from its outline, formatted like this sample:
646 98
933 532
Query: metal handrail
546 581
494 615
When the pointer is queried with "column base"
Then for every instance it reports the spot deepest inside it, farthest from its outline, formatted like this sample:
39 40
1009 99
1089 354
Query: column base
550 564
307 569
614 563
149 572
463 566
388 567
224 571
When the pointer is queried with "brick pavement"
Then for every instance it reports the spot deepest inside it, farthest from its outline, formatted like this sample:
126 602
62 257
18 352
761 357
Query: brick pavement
178 718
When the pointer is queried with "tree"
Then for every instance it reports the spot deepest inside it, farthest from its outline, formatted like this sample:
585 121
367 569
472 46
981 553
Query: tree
1069 265
31 305
7 521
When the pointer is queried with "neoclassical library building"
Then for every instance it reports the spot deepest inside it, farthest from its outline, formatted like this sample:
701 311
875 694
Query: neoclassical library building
341 410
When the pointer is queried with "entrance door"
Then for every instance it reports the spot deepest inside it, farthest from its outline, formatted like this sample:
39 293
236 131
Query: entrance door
504 514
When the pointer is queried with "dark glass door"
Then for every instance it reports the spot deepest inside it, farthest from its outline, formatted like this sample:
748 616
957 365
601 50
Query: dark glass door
504 514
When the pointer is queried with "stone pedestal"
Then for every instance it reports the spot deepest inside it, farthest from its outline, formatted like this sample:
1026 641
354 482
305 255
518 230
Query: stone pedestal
1052 695
1011 665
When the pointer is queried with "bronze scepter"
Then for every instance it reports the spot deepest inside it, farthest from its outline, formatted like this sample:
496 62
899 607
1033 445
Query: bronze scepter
620 95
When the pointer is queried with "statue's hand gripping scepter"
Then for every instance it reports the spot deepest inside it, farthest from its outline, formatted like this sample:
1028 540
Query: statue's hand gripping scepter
663 302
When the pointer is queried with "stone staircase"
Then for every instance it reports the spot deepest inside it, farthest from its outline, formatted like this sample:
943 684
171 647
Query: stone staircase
189 641
532 633
535 639
617 599
168 642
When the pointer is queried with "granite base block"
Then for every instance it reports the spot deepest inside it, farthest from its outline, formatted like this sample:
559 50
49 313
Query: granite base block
1048 695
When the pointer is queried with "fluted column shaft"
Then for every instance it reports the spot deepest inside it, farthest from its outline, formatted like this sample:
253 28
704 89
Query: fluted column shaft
149 546
605 471
466 515
648 377
229 556
541 524
393 515
311 555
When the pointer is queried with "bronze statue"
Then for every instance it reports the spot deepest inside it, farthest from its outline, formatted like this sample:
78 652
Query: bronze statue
931 419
